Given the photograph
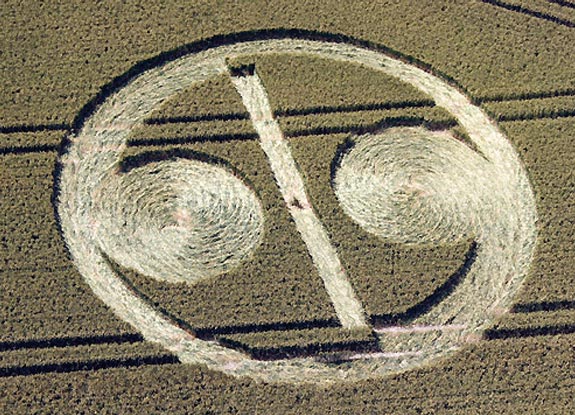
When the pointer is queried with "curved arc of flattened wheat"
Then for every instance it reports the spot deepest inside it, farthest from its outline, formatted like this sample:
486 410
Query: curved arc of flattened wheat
95 153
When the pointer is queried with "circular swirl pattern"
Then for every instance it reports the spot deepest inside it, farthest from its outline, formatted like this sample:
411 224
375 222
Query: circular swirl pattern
177 221
415 186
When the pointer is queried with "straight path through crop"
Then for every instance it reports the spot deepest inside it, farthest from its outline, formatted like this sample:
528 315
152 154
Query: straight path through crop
347 306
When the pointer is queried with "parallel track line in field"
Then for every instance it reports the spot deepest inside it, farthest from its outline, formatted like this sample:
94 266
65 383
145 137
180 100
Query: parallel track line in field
530 12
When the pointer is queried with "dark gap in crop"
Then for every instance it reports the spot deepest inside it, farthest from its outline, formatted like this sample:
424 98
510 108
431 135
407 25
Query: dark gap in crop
421 103
495 334
563 3
362 129
242 70
529 12
88 365
232 116
440 293
142 142
139 160
401 121
55 196
295 203
543 114
173 154
544 306
43 148
33 128
210 333
62 149
290 352
525 96
71 341
342 150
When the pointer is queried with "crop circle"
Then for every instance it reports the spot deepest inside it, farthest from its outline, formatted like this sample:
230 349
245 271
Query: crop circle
505 241
177 221
415 186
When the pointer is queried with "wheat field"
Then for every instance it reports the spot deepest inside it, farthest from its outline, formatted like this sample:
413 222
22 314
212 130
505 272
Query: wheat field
304 207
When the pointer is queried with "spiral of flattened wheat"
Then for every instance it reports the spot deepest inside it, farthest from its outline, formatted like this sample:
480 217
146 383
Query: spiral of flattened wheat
177 221
412 185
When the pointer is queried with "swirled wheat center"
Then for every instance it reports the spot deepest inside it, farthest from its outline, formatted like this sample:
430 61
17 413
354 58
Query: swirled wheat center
177 221
415 186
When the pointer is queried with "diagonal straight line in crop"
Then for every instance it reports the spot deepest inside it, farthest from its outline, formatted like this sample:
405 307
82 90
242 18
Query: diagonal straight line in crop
347 306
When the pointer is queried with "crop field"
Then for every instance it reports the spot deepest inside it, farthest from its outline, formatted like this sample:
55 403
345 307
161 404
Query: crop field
288 207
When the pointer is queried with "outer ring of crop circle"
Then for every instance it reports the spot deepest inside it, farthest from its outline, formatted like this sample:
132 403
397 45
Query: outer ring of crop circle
156 327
